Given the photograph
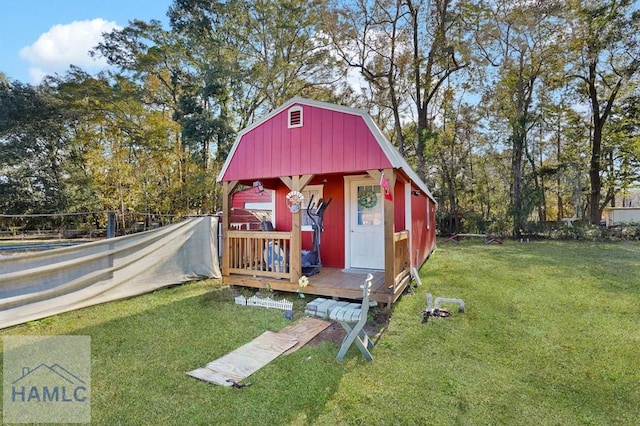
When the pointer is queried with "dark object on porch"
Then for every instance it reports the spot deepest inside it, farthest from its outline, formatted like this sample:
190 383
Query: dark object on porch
311 260
275 259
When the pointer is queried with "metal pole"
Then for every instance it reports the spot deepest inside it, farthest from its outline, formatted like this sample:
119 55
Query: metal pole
111 224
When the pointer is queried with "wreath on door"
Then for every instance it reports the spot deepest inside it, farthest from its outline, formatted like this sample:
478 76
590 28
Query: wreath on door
367 199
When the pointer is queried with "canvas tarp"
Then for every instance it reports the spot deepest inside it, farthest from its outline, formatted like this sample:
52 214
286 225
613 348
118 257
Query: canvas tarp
40 284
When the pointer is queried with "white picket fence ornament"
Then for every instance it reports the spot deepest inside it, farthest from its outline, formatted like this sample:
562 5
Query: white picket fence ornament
266 302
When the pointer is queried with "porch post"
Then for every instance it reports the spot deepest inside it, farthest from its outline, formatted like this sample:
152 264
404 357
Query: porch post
296 183
389 231
227 192
295 259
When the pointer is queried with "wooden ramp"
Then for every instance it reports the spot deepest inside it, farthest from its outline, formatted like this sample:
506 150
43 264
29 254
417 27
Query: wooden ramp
304 330
247 359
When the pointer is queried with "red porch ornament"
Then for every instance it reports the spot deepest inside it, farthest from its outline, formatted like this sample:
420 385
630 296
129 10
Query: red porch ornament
385 185
294 200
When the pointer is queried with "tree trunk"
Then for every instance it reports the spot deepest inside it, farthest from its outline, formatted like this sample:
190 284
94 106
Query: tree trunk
594 171
516 188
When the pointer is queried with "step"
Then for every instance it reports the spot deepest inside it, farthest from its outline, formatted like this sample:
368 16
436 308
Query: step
322 307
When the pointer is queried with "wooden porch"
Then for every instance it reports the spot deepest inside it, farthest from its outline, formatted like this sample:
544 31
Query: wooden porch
330 282
259 259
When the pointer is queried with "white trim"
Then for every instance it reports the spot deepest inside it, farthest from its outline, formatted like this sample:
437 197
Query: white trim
290 111
258 206
408 222
347 216
348 181
303 211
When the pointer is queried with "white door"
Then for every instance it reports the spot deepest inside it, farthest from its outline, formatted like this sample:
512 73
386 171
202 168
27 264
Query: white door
366 225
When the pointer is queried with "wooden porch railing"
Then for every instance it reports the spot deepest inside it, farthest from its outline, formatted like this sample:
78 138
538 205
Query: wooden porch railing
258 253
401 264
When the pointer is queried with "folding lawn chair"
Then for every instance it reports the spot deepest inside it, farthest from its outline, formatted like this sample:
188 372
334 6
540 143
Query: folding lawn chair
353 320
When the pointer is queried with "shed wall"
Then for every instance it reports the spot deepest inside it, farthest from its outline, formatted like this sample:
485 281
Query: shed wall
615 216
332 250
328 142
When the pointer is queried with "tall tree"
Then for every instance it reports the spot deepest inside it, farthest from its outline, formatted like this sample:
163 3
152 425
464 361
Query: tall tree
521 42
123 148
605 43
192 91
406 50
32 150
621 149
451 154
374 38
564 163
439 50
273 50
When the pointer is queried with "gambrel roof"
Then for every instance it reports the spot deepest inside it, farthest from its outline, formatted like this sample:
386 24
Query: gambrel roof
311 137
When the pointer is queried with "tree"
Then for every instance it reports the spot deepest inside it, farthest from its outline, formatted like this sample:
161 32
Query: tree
451 154
32 150
621 149
605 42
271 50
564 163
444 33
521 42
406 50
374 38
192 91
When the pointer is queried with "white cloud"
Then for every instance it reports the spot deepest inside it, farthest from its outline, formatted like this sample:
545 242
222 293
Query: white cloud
64 45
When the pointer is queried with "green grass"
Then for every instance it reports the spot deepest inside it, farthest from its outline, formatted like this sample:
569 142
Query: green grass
551 335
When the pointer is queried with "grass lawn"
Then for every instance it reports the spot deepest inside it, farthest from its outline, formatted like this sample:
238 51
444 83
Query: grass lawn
551 335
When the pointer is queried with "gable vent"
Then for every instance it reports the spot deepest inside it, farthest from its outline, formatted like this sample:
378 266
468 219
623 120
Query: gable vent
295 117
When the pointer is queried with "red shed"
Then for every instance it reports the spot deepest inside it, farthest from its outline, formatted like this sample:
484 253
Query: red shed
380 217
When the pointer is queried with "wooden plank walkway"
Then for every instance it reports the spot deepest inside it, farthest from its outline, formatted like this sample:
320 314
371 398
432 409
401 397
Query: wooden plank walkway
304 330
247 359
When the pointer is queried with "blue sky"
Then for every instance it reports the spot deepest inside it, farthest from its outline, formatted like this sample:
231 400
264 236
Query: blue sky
40 37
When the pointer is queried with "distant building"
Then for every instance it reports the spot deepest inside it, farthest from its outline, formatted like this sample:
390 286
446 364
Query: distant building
626 210
628 198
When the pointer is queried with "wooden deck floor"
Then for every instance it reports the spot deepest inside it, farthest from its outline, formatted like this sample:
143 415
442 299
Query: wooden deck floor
330 282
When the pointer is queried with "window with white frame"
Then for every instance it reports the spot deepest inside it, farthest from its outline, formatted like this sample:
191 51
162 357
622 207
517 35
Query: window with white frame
309 190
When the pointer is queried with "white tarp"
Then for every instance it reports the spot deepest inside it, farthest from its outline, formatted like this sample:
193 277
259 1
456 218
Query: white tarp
40 284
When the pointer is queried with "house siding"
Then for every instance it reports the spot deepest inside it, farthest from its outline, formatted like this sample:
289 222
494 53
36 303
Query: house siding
332 248
334 145
399 207
423 228
329 142
240 199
